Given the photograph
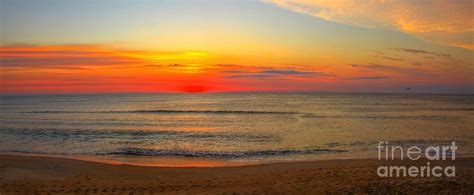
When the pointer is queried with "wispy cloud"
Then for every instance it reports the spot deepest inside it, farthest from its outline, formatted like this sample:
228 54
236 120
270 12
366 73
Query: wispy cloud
290 72
369 78
418 51
68 56
381 67
257 76
234 71
61 62
378 66
392 58
266 72
440 58
443 22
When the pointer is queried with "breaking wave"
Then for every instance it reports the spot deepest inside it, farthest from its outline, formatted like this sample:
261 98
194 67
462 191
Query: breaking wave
218 154
166 112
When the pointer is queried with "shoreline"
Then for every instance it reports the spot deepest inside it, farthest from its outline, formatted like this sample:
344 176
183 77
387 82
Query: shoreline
186 161
27 174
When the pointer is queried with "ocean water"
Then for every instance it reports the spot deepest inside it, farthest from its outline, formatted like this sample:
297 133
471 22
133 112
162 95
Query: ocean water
230 128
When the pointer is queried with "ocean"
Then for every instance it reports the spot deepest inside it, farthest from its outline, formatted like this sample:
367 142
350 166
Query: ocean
221 129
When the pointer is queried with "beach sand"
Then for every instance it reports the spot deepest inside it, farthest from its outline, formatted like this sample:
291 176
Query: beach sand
21 174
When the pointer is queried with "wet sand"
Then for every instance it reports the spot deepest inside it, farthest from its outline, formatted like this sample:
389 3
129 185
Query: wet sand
43 175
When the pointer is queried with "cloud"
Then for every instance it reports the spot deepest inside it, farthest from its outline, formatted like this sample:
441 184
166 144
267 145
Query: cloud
240 71
392 58
395 69
417 51
66 56
258 76
239 67
433 57
377 66
234 71
442 22
290 72
61 62
370 78
414 56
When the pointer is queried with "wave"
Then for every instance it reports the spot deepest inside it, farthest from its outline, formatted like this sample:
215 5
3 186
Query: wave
165 112
218 154
185 153
403 143
91 135
453 109
386 117
238 112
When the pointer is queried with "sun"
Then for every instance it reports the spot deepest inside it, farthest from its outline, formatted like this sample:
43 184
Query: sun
194 89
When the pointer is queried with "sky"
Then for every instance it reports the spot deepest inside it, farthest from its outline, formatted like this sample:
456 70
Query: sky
123 46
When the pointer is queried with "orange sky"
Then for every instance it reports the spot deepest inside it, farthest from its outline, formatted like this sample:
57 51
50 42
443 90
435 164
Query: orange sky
215 46
97 69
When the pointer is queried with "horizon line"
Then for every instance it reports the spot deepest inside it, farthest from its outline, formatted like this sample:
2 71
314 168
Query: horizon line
234 92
